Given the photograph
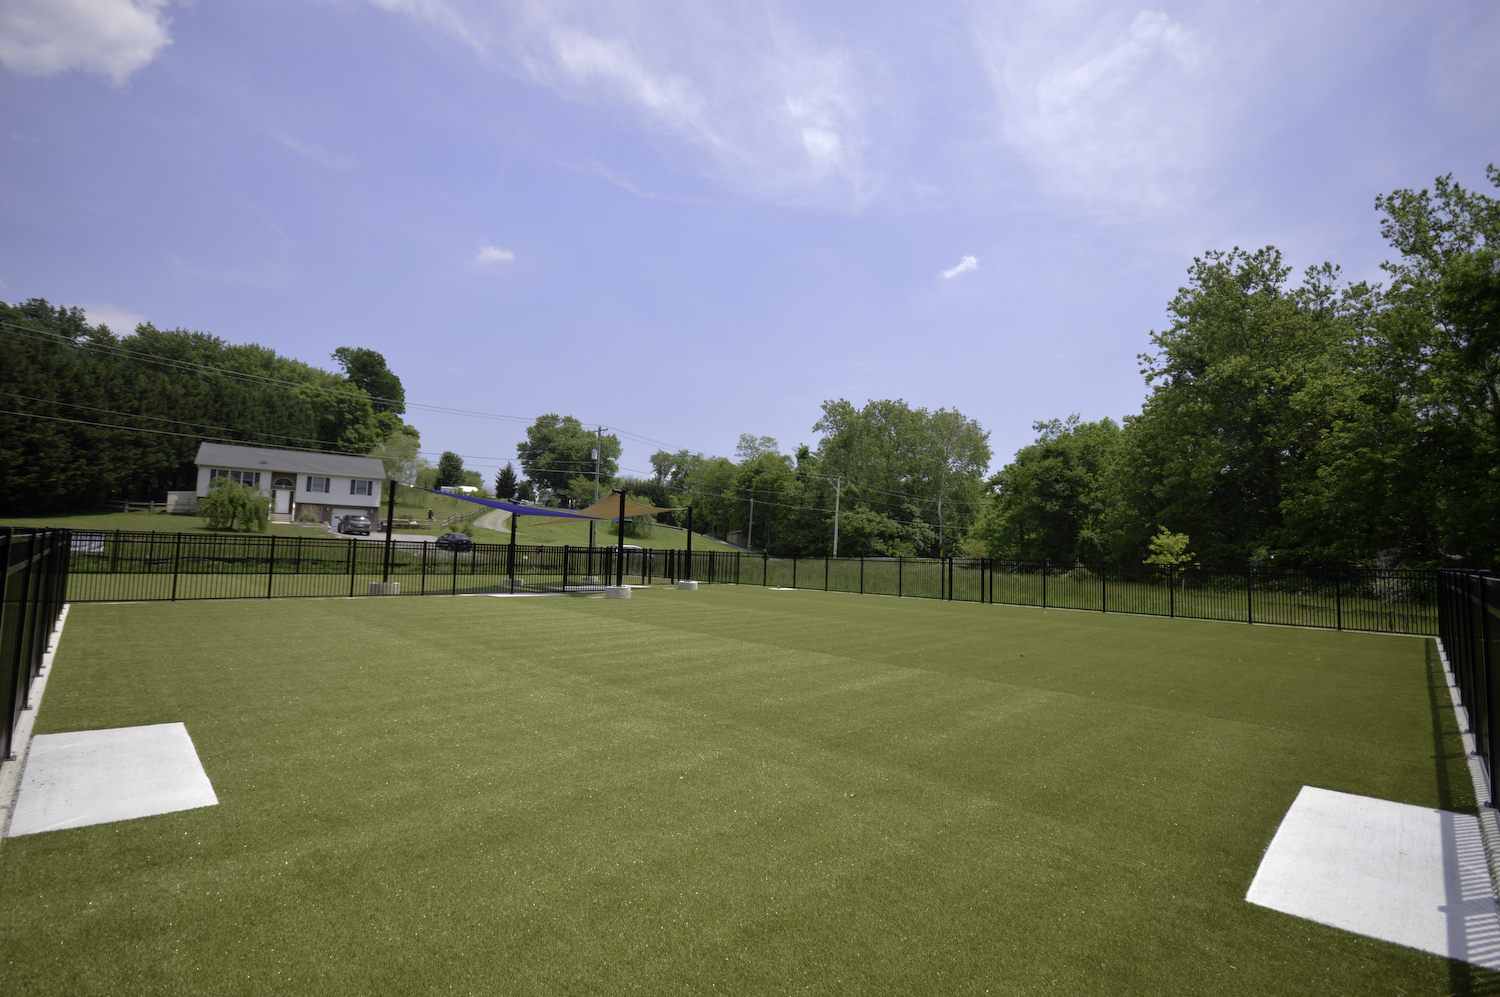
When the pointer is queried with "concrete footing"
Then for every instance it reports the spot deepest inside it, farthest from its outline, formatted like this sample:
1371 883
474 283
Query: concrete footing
617 592
687 586
385 588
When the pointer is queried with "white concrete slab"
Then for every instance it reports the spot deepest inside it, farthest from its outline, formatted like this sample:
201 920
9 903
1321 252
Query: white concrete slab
1410 875
97 776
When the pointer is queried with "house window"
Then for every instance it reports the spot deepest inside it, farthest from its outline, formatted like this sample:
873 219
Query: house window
361 488
238 477
283 483
318 484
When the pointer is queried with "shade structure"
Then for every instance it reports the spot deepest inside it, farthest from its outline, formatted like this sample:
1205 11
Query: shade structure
609 508
519 510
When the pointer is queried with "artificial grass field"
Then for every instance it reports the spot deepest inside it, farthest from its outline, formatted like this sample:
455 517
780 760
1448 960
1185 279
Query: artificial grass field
734 790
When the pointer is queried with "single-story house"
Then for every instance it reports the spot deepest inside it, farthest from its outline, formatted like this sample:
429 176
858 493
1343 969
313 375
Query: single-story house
329 486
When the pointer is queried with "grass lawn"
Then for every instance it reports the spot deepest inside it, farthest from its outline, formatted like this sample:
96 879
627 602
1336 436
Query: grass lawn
736 790
158 523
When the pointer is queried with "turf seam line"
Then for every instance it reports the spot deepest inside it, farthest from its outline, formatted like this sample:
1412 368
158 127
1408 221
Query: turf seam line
1489 820
10 772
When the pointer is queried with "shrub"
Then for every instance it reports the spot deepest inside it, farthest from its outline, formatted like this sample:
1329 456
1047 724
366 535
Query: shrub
229 504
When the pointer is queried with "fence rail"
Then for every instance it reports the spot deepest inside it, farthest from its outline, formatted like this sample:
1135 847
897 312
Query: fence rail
131 566
31 598
1469 628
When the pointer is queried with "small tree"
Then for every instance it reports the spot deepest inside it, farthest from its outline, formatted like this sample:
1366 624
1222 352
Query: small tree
450 469
1169 549
505 483
229 503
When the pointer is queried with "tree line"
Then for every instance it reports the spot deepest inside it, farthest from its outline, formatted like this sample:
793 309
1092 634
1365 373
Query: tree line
86 415
1318 422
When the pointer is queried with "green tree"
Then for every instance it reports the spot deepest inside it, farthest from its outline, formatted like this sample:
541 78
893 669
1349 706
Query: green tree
1169 549
229 504
505 483
368 372
450 470
1052 500
559 448
401 456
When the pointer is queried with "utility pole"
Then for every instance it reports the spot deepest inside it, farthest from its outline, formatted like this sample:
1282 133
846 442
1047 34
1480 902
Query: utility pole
838 491
598 448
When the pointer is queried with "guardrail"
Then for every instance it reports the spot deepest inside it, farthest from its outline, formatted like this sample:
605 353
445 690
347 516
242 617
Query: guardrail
31 599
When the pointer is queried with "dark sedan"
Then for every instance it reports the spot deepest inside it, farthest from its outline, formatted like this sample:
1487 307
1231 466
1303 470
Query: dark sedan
355 524
454 541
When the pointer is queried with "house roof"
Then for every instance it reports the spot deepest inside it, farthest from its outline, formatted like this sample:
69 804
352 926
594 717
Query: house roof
296 461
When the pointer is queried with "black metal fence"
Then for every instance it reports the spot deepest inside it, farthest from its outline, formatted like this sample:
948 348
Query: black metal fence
124 566
31 598
1469 628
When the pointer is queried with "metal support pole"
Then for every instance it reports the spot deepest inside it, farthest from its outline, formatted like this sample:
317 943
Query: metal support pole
390 520
1338 598
620 565
176 565
271 567
510 554
1249 596
1171 593
900 576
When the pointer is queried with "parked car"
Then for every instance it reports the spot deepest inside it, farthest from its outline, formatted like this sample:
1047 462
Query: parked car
455 541
355 524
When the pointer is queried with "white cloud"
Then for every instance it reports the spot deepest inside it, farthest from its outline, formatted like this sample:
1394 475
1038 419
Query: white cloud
964 266
113 38
121 321
742 95
1114 110
493 254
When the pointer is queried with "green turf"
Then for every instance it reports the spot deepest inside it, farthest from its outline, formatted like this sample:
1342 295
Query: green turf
730 791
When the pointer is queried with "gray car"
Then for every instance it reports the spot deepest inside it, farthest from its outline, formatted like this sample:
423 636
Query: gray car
355 524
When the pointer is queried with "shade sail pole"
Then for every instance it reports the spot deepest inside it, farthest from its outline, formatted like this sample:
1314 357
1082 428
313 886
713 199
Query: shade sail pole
390 516
689 574
620 552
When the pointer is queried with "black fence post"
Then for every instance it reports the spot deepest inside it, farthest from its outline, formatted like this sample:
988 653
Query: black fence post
1250 595
271 567
826 562
861 574
352 561
794 571
900 576
565 568
1338 598
1171 592
1044 583
176 564
1103 589
765 569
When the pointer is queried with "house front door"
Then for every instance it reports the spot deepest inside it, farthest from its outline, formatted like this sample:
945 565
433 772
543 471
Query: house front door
283 502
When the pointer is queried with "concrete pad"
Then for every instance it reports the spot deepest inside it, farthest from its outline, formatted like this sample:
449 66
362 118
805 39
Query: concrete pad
617 592
98 776
687 586
1410 875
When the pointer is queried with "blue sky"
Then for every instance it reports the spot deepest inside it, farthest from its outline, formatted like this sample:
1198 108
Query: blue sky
688 221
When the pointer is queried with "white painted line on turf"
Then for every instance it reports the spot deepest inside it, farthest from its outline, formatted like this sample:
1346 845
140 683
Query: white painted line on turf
10 772
1410 875
97 776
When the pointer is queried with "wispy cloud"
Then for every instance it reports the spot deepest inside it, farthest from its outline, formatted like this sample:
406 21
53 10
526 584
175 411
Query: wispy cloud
1118 109
120 320
113 38
744 96
493 254
964 266
319 155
